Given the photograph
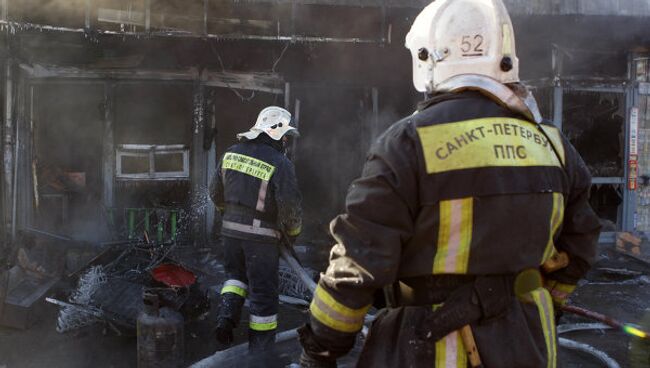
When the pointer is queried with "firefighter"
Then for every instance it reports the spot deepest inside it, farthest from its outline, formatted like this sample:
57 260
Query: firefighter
457 209
256 191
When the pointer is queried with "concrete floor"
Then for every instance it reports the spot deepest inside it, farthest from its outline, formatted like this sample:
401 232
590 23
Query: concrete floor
625 298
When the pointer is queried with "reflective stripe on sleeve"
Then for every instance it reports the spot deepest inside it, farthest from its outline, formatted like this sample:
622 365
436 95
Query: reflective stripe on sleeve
235 287
544 304
454 236
335 315
557 216
295 231
247 165
263 323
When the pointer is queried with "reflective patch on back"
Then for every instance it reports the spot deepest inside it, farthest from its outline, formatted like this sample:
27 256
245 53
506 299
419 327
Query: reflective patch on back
248 165
488 142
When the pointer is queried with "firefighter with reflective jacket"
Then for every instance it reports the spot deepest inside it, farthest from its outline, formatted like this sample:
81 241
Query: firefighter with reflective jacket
459 208
255 189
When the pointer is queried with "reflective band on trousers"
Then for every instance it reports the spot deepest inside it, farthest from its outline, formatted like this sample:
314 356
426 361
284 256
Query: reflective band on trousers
335 315
557 216
235 287
544 305
454 236
259 323
247 165
450 351
250 229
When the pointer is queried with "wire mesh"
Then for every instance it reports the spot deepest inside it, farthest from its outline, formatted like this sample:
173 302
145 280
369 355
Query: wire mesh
71 318
291 285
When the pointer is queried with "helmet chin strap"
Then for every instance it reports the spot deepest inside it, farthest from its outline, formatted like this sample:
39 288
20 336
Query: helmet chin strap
516 98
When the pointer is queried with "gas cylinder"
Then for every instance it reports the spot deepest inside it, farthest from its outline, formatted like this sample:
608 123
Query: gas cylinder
160 335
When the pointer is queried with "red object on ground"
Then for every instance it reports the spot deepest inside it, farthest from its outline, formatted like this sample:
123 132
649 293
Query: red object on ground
173 275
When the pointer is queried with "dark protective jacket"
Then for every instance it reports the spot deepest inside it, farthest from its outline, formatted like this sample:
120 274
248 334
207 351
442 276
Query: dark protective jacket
256 190
464 187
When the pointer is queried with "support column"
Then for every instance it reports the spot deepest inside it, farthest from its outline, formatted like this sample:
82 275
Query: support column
628 220
558 104
374 129
108 146
210 213
198 169
19 187
8 148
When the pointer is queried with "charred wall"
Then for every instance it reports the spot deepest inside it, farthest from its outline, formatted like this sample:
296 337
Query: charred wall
349 92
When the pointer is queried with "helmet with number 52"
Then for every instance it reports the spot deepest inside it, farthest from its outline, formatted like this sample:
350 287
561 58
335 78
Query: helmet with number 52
462 37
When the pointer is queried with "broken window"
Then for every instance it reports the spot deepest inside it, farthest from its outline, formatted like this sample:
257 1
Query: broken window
152 162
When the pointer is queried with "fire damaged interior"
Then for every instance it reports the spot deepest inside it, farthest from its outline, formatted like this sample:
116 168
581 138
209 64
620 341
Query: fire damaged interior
116 112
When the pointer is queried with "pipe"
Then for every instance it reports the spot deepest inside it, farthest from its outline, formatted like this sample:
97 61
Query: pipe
601 356
236 353
48 235
8 142
296 267
624 327
566 328
14 189
293 301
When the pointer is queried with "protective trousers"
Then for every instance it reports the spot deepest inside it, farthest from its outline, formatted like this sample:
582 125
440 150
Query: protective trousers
251 272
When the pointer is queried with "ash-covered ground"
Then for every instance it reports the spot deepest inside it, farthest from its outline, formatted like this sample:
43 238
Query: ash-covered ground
618 286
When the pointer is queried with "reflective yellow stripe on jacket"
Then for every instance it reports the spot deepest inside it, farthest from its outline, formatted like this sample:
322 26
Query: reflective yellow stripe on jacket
557 216
335 315
454 237
544 305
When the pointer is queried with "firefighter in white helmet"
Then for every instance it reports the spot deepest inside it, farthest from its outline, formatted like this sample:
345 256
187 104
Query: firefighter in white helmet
458 208
256 190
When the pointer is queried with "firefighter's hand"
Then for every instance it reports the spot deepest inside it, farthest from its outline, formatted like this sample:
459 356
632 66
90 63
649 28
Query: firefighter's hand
486 298
291 240
319 352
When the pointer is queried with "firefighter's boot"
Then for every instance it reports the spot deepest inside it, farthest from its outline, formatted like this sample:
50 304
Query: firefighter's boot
224 332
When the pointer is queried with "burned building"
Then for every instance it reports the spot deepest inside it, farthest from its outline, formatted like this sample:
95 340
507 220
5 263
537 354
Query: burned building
116 108
115 112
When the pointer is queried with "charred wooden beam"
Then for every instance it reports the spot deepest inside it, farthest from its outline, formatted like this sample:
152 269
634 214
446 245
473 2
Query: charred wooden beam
263 82
27 27
108 146
8 143
150 20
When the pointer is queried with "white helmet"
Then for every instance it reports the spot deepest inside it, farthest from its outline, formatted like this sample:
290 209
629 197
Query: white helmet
456 37
274 121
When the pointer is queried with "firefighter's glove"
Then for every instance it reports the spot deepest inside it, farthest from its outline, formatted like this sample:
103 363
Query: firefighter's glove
321 352
486 298
292 240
